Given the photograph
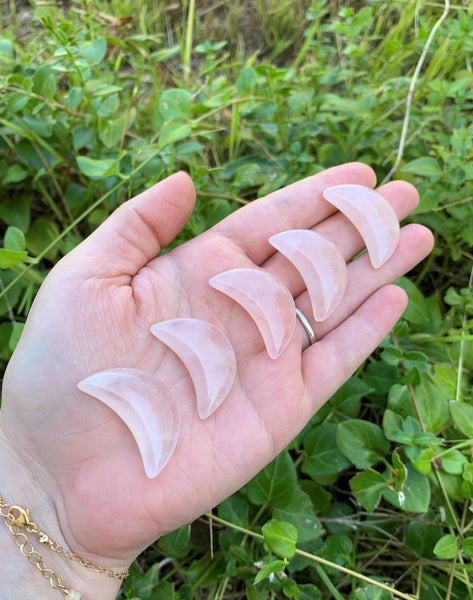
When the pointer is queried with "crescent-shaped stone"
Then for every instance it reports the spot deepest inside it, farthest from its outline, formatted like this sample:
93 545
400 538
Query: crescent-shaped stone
145 405
208 356
320 265
372 215
267 301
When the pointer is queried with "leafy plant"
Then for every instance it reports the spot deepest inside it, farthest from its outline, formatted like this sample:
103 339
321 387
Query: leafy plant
373 499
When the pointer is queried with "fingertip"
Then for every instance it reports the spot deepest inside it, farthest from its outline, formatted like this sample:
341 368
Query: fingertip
396 296
365 171
402 194
427 238
354 172
186 181
181 187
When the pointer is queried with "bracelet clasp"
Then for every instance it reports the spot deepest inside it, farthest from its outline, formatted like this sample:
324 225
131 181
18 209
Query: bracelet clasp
20 516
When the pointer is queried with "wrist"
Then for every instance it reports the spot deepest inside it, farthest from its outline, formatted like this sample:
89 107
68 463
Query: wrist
34 490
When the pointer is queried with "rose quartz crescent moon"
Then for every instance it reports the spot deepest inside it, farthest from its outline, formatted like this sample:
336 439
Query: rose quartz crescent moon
145 405
267 301
207 355
372 215
320 265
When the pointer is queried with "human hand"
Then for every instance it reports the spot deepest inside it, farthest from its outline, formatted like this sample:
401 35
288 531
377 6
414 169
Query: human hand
94 312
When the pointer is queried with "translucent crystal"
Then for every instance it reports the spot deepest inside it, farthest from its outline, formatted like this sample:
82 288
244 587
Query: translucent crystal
267 301
372 215
145 405
208 356
320 265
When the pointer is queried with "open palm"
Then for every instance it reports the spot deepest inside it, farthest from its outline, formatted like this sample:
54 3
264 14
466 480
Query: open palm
95 310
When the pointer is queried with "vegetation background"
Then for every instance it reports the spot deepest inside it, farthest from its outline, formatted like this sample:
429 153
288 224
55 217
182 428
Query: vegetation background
101 98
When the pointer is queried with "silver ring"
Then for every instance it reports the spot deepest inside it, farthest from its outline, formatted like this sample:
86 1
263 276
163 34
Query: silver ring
306 325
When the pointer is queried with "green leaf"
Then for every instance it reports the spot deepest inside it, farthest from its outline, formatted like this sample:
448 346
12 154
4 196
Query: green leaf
176 543
453 461
309 592
15 335
324 457
10 258
111 130
446 547
174 104
391 354
348 398
98 89
235 510
17 102
6 48
362 442
416 311
41 234
425 166
15 174
415 494
392 424
462 415
246 80
467 546
43 127
93 51
290 588
97 168
421 537
274 567
108 106
372 592
300 513
400 401
423 462
338 548
399 471
14 239
432 403
281 538
75 97
417 359
275 484
368 487
173 132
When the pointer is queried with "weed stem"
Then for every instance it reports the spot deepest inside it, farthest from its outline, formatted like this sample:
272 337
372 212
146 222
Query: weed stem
410 93
317 559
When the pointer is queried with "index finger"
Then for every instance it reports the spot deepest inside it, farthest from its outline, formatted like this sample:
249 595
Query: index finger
297 206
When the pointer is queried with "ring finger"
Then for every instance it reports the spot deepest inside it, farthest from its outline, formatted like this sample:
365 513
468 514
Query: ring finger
363 280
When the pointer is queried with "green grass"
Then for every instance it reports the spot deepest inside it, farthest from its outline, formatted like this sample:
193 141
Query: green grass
249 96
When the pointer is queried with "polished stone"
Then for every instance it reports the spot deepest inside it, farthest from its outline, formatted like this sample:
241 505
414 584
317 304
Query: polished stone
266 300
372 215
145 405
208 356
320 265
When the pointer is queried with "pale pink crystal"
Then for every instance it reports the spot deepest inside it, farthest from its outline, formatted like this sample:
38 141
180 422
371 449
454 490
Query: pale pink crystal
208 356
267 301
320 265
372 215
145 405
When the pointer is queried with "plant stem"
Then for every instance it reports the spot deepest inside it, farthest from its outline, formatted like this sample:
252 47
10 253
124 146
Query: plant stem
317 559
410 93
326 579
186 63
462 348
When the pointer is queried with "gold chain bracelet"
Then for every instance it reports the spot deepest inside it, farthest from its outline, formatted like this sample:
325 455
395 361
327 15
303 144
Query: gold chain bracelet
17 519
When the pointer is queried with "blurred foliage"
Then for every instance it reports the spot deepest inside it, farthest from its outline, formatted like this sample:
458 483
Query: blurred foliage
99 100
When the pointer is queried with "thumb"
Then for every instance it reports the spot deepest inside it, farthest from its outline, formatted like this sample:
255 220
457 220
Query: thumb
138 230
